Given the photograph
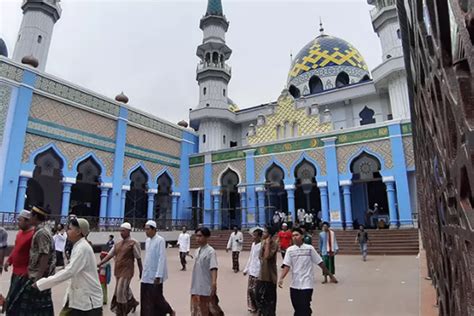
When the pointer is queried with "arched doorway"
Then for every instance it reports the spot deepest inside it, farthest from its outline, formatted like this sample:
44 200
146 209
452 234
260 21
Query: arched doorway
45 188
367 190
230 202
276 197
85 193
163 199
136 198
307 195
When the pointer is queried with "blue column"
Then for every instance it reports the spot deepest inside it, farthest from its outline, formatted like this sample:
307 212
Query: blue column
174 207
119 157
66 198
217 209
401 176
250 189
151 202
207 191
189 145
290 192
392 207
334 194
13 141
123 197
323 192
262 221
20 199
243 206
346 187
104 195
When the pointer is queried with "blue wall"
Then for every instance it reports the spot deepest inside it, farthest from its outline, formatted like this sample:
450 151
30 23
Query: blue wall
189 145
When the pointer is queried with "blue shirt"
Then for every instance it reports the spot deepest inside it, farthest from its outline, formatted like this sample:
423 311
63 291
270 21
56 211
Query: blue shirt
323 236
155 260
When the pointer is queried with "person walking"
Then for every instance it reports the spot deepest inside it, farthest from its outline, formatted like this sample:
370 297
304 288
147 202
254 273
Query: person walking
59 244
83 294
19 258
3 246
204 300
267 280
363 239
328 248
126 251
110 243
284 239
105 274
235 243
300 260
184 243
308 221
252 268
301 213
307 238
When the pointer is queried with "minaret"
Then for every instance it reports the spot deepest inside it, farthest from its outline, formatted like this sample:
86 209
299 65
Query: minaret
36 30
385 23
213 76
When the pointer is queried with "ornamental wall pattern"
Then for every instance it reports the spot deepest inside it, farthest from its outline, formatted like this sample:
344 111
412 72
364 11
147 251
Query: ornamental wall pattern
153 168
49 110
235 165
72 152
152 141
409 152
196 177
5 95
345 152
11 72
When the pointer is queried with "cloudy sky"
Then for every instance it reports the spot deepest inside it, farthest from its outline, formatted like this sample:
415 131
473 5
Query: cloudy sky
148 48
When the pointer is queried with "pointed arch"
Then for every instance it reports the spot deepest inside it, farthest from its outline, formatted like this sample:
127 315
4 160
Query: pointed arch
228 168
168 173
135 168
93 156
342 79
50 146
294 91
368 151
305 156
263 173
315 85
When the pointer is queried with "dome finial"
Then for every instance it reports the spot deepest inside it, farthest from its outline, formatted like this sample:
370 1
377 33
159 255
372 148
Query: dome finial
321 28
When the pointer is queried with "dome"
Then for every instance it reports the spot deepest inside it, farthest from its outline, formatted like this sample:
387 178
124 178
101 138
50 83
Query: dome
325 63
3 48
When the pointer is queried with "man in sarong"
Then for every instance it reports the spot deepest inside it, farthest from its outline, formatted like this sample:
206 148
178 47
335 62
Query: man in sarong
184 242
204 301
328 248
267 281
125 252
19 258
155 273
235 243
253 269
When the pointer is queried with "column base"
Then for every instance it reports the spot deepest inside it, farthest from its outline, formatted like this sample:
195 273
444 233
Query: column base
393 225
336 225
349 226
217 227
406 224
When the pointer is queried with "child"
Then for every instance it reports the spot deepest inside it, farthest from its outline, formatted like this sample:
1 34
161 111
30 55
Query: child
105 273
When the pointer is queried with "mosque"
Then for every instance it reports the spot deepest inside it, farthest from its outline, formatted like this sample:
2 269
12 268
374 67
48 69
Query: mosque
338 139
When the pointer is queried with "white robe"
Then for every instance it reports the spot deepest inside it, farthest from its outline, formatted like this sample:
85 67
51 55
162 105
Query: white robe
236 241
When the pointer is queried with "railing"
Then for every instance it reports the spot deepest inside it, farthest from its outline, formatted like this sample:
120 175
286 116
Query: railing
210 65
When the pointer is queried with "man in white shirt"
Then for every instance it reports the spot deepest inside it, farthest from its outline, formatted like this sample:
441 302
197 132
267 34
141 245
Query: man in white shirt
301 213
59 244
235 243
308 221
84 294
300 258
155 273
184 241
253 269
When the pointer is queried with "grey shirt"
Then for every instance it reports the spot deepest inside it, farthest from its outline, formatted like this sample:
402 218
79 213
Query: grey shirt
205 260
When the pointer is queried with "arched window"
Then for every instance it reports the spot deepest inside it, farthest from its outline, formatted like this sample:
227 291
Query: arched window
294 91
223 139
204 138
295 129
366 116
288 130
223 92
215 58
399 35
342 79
40 39
315 85
365 78
204 91
208 57
278 128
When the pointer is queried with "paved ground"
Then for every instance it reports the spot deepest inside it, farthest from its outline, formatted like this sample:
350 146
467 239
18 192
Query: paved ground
384 285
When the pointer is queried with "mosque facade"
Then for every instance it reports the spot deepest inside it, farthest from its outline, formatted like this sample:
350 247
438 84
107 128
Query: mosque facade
337 141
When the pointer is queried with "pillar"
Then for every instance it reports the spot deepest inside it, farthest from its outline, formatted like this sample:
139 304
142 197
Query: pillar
262 221
123 197
22 185
217 209
104 200
67 185
290 192
334 194
243 206
151 203
392 200
323 192
174 208
346 191
208 209
251 202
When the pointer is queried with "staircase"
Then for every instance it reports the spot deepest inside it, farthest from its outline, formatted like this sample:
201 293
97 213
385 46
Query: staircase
382 242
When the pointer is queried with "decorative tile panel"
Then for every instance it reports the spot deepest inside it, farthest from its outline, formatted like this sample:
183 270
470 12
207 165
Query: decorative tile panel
382 147
11 72
408 150
5 95
153 168
196 160
236 165
157 125
289 146
148 140
260 163
286 112
228 155
53 111
406 128
196 177
318 155
71 151
73 94
363 135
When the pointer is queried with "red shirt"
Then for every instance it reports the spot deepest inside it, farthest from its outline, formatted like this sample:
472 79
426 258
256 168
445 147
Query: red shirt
21 252
285 239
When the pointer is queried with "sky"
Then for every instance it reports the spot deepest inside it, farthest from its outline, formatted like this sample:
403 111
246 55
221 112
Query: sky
147 49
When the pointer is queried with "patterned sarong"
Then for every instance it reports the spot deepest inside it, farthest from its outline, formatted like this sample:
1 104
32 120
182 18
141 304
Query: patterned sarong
252 294
205 306
266 298
24 300
123 301
235 260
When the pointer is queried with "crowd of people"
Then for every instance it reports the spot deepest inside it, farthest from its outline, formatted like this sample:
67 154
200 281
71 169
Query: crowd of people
38 252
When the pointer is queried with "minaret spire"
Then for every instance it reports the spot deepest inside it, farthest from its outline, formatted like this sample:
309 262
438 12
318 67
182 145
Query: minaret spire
321 28
214 7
